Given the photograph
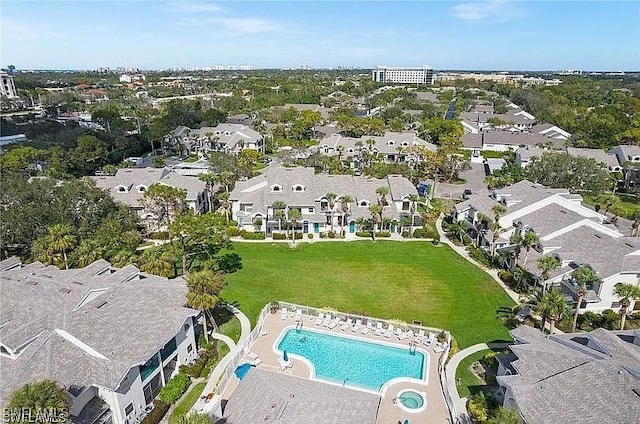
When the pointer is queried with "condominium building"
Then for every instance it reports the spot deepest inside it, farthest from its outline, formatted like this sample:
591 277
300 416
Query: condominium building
7 87
403 75
111 338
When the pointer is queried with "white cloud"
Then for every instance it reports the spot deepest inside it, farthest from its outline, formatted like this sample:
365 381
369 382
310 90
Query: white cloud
495 10
186 7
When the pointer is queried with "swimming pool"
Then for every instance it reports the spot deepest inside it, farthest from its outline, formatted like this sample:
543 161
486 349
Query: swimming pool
352 361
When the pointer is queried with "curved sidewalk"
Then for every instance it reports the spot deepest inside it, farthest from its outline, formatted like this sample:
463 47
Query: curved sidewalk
219 370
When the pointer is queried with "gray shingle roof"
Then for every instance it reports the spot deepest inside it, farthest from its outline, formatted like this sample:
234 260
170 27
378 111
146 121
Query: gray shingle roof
576 378
122 316
268 397
597 154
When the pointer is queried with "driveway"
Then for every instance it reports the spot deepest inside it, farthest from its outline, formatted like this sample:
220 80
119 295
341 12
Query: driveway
475 181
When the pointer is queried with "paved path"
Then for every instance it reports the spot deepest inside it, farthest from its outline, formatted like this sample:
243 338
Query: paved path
463 252
460 404
219 370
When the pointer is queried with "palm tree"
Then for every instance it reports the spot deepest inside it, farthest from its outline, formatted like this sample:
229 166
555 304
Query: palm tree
584 276
458 229
627 293
516 242
345 204
40 395
546 264
382 192
61 240
279 211
528 240
331 199
520 277
209 180
203 292
414 199
481 220
294 216
495 234
225 207
376 216
157 262
87 253
553 307
498 211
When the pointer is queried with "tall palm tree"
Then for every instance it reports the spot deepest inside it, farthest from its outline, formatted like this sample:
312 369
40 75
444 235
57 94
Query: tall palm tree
345 204
528 240
209 180
382 192
225 206
458 229
498 211
61 240
627 293
156 262
516 242
481 221
376 217
87 253
279 211
546 264
520 277
294 216
495 234
584 276
414 199
331 199
203 292
554 307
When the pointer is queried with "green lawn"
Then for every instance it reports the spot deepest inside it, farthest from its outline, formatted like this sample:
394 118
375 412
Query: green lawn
186 403
468 381
407 281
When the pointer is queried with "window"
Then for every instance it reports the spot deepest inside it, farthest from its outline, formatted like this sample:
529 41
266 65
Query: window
129 409
189 348
142 189
298 187
246 207
615 305
186 327
311 210
364 203
122 189
276 188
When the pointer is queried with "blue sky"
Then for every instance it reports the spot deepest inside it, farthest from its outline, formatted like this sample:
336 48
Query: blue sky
489 34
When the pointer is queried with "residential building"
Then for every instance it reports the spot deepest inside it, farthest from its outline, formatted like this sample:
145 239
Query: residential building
323 111
524 155
626 153
227 138
110 337
403 75
392 147
129 184
610 160
551 131
7 86
507 140
300 188
566 229
572 378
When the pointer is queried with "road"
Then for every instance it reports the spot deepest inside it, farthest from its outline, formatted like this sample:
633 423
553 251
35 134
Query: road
475 182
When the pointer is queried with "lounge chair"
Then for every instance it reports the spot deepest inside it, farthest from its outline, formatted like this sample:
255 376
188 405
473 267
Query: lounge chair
347 325
389 331
401 334
298 315
356 326
409 334
369 327
319 319
333 324
327 320
439 348
430 338
379 329
251 355
284 314
419 337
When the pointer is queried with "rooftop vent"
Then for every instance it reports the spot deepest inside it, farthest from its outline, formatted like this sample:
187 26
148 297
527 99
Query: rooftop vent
78 283
65 290
32 283
100 305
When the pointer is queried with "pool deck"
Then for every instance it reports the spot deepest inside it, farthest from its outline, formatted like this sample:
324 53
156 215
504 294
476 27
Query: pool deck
435 412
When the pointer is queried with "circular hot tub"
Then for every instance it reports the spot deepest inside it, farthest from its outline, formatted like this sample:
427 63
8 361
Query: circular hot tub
411 400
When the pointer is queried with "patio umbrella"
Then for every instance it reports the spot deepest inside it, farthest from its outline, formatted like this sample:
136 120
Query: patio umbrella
284 356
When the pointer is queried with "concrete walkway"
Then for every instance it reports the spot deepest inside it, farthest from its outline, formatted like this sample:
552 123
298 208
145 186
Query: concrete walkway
460 250
219 370
459 409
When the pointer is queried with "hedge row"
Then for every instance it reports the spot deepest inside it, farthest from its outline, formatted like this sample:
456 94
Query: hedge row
174 388
157 413
382 234
249 235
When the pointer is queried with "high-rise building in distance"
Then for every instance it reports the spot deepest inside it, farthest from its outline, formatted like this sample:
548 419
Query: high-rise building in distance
403 75
7 87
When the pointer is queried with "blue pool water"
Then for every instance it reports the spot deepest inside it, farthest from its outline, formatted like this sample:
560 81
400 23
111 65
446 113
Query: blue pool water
242 370
350 361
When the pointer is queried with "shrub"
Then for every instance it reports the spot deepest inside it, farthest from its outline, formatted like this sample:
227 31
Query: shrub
442 336
477 407
174 388
505 276
310 236
363 234
405 233
249 235
479 255
297 235
233 231
195 370
323 235
159 235
331 234
157 413
610 319
436 239
383 234
279 236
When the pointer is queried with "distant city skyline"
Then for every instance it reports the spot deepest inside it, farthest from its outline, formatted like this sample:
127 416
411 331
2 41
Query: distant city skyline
463 35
